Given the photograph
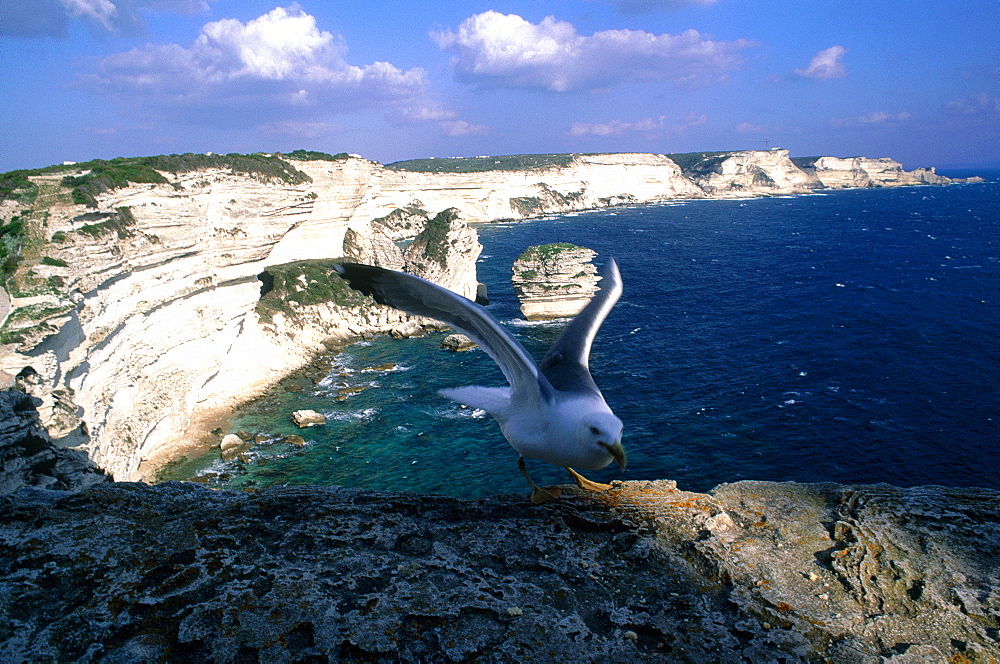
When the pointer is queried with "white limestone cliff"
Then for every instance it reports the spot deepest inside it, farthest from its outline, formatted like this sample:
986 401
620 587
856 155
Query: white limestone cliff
156 328
838 173
751 173
554 280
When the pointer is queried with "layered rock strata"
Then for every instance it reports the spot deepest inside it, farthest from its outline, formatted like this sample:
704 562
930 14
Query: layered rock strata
838 173
758 172
139 318
751 571
554 280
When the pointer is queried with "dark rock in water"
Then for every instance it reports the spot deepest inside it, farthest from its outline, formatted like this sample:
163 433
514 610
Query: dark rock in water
297 441
27 455
482 294
458 342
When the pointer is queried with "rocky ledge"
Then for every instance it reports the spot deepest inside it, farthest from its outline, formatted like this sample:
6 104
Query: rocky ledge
94 570
751 571
554 280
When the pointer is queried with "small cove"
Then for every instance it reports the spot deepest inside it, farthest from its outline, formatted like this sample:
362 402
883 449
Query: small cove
848 337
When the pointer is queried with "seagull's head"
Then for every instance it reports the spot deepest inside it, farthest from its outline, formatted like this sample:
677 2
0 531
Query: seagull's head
600 435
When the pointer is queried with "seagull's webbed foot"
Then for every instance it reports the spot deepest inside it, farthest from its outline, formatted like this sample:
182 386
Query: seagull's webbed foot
538 494
585 484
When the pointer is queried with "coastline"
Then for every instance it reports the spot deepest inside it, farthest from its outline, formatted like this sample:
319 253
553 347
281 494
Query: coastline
159 274
207 441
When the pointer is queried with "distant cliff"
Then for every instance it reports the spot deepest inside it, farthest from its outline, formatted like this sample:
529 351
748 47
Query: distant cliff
136 310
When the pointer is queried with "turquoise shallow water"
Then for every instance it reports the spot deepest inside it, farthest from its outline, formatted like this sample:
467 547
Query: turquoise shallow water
850 337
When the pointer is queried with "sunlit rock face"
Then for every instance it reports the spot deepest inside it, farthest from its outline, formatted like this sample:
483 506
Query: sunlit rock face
750 571
838 173
751 173
157 327
162 332
554 280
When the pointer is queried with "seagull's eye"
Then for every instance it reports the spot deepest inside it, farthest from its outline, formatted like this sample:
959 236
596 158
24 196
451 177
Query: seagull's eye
595 431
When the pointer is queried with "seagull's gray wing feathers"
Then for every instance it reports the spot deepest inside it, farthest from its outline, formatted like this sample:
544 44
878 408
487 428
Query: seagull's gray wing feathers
566 365
423 298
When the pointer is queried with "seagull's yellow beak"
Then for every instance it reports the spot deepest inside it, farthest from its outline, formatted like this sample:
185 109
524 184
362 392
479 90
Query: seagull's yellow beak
617 451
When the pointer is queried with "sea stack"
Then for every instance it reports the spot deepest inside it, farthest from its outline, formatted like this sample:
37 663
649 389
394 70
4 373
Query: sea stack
554 280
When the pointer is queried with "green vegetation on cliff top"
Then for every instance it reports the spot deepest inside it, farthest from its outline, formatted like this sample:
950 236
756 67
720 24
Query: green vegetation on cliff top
434 236
88 179
698 161
514 162
805 162
303 283
546 251
312 155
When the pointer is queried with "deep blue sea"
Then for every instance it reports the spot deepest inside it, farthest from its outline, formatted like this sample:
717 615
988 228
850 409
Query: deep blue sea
852 337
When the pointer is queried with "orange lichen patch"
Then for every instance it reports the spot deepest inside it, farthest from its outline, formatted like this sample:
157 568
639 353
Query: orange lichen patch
693 504
875 548
784 607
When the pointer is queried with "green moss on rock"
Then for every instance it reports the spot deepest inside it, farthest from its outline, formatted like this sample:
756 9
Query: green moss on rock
304 283
544 252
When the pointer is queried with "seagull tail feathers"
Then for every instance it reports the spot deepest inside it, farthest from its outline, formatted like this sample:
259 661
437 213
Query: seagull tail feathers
494 400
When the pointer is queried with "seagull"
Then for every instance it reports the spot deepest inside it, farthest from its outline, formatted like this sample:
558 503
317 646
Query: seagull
551 411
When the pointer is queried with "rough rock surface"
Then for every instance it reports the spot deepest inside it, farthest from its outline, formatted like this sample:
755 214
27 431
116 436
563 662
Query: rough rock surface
27 455
308 418
554 280
753 571
445 252
458 343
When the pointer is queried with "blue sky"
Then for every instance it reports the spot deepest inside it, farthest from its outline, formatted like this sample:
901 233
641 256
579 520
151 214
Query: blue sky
918 81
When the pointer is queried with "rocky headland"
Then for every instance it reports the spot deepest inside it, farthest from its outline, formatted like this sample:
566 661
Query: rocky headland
554 280
145 308
138 274
95 570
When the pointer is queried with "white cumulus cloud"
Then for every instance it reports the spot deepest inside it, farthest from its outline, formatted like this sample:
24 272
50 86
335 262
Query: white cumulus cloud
494 49
825 64
981 103
446 119
749 128
279 59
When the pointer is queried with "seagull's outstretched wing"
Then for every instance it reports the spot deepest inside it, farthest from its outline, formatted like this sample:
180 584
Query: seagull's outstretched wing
566 365
423 298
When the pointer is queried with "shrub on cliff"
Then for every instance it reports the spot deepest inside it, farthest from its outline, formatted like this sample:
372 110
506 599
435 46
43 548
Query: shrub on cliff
101 176
435 235
104 176
514 162
303 283
312 155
